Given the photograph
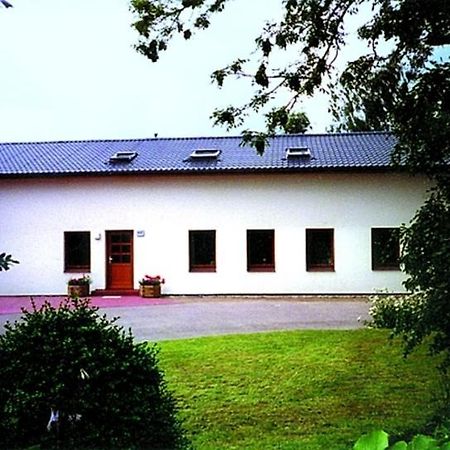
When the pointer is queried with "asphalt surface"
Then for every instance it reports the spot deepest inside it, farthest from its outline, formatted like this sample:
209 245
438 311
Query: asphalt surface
187 318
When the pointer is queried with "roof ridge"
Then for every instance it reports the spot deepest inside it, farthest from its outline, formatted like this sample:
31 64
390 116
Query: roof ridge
73 141
173 138
347 133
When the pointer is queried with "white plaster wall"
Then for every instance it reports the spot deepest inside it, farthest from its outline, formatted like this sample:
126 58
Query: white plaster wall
35 213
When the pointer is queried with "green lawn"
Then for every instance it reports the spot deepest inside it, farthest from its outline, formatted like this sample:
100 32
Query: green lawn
297 390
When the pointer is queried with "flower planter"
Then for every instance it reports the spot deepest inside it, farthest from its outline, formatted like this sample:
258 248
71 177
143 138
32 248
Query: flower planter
150 291
78 290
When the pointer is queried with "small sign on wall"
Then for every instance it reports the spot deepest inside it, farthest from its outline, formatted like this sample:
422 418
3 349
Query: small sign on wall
140 233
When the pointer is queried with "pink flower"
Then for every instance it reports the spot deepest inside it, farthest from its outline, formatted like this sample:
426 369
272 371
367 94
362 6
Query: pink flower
152 280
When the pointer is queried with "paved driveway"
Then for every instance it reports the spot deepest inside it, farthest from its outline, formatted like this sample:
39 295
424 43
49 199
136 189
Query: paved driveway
192 317
185 320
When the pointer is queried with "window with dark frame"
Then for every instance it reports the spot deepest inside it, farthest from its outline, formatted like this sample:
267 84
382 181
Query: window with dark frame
320 249
77 251
261 250
385 249
202 251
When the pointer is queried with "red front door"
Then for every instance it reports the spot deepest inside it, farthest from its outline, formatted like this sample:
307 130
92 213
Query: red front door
119 259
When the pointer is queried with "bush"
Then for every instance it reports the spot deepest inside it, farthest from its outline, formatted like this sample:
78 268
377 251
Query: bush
402 314
395 310
105 391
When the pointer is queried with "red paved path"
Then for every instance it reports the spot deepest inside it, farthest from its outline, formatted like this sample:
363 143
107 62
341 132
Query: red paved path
14 304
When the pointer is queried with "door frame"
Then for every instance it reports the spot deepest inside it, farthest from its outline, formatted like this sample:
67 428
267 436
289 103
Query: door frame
108 234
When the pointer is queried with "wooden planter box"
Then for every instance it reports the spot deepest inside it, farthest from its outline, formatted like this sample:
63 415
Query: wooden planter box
78 290
150 291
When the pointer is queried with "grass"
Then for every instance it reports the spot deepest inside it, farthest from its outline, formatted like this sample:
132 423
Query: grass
298 390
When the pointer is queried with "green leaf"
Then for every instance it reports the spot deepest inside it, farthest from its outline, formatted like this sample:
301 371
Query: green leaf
376 440
401 445
261 76
422 442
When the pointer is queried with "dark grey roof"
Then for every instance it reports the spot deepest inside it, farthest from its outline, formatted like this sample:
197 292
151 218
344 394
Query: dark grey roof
341 151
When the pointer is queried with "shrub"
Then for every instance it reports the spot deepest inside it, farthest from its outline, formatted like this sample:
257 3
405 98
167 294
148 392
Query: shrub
392 310
105 391
402 314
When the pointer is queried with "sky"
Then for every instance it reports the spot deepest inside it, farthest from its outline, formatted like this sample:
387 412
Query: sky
68 71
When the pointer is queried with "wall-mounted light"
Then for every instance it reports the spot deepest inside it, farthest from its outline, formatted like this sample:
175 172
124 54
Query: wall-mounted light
98 237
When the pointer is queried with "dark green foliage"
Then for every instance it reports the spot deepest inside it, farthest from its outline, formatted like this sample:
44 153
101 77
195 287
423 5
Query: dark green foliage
278 120
426 245
422 123
401 314
281 120
6 261
425 312
398 82
108 390
297 122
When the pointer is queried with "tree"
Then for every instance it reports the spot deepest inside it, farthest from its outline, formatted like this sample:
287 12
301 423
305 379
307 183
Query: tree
400 83
370 89
426 254
72 379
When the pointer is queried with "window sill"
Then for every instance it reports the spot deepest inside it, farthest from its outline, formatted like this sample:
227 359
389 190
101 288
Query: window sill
386 269
211 269
320 269
261 269
77 270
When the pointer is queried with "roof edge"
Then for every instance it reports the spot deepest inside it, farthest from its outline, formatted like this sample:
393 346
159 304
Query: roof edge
264 171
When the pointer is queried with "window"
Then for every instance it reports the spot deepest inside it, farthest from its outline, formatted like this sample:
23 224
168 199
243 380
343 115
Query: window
77 251
120 246
121 157
261 250
298 152
202 251
320 249
385 249
205 153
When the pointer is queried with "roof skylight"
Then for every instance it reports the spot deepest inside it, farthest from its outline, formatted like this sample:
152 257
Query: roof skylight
205 153
123 157
298 152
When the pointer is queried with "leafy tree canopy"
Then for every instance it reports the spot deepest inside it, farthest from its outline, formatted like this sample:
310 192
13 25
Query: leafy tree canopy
400 72
401 82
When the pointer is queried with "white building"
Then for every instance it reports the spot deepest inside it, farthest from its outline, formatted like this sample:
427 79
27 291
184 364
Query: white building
316 214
